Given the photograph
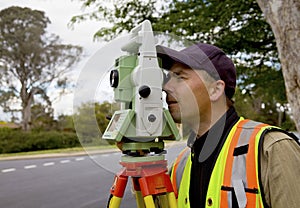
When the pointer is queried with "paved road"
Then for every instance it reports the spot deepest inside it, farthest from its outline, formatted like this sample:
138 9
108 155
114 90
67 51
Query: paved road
66 182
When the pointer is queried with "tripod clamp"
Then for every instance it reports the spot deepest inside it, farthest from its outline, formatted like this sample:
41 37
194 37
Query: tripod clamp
150 181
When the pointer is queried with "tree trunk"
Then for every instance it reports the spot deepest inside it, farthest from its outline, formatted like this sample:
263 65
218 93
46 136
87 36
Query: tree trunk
284 18
27 100
26 120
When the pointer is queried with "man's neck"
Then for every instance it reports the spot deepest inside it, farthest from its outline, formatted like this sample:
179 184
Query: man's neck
209 121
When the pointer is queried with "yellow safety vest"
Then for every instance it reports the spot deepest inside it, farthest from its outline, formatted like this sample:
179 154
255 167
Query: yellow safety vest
235 171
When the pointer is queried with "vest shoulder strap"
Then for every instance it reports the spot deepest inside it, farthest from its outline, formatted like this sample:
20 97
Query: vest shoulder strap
178 168
241 171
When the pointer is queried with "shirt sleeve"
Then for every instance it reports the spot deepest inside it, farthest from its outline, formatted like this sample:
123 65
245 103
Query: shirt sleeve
280 170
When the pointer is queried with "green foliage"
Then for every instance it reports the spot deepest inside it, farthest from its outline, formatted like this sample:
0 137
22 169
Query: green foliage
263 109
65 123
42 118
31 59
238 27
91 121
12 141
121 15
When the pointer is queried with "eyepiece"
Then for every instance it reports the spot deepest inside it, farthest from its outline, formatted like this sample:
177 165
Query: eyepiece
114 78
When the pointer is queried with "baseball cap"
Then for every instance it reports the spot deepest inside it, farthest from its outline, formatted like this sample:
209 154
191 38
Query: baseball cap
202 56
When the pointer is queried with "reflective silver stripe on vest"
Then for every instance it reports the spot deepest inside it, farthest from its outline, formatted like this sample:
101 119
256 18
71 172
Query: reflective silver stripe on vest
181 166
239 176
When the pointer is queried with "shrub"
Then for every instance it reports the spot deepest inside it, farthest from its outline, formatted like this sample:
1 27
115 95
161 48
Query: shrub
12 141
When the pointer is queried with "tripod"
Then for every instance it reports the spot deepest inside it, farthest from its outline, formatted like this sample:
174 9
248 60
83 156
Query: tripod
150 181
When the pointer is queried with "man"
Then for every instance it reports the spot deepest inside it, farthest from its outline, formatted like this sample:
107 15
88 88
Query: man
230 161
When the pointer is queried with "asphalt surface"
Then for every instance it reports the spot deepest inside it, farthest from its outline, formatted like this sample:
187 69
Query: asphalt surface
73 180
78 181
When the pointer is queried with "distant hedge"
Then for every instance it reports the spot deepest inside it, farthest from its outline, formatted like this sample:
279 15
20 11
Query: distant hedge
12 141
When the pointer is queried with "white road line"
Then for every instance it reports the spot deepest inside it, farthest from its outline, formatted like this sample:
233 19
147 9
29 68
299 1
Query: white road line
65 161
79 158
30 166
8 170
94 157
105 155
48 164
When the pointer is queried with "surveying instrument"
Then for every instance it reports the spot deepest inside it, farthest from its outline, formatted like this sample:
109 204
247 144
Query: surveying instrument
142 123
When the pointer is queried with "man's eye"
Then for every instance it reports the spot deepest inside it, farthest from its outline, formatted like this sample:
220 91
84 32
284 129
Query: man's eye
172 75
177 76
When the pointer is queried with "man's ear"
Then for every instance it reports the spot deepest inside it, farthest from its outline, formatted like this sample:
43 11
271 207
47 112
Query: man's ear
216 90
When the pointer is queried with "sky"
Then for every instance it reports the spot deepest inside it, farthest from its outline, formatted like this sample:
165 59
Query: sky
60 13
91 74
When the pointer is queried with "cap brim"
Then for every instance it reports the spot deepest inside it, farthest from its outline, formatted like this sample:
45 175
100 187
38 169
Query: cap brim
169 56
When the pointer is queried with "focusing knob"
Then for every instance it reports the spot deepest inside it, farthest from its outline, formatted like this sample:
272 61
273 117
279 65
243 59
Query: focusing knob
151 118
144 91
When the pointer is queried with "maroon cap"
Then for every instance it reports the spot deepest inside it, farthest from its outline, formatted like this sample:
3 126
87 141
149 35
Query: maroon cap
202 56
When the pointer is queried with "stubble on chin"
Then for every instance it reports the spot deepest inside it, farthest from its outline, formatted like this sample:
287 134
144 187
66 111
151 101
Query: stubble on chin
176 115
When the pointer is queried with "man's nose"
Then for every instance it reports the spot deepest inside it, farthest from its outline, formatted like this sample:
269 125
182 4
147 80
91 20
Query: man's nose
167 86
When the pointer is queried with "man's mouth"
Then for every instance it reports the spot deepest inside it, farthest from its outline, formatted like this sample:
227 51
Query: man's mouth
171 102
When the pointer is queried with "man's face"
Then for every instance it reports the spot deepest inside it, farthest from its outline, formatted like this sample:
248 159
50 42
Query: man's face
187 95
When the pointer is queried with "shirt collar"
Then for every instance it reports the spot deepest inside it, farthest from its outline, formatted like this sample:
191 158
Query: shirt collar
205 145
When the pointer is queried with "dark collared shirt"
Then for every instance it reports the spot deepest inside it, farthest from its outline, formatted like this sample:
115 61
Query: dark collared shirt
205 150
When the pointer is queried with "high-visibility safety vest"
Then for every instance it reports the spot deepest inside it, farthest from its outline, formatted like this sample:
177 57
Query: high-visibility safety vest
235 171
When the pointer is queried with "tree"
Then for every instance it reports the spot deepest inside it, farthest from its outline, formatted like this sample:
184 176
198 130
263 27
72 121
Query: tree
65 123
238 27
284 18
42 117
30 60
122 15
90 121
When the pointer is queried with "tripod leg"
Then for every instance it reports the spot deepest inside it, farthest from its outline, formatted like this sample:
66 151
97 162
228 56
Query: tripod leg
138 194
172 200
162 200
139 200
149 202
114 202
166 200
158 185
117 191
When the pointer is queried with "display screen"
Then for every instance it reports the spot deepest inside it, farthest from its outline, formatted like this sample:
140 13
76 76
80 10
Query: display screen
114 122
